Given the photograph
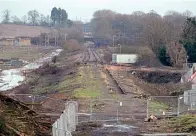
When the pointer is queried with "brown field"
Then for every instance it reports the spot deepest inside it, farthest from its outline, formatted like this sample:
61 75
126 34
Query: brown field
26 53
11 30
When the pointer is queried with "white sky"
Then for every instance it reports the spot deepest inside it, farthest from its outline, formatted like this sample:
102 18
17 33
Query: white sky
84 9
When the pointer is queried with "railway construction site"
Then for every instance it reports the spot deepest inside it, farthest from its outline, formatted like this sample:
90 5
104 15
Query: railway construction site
112 99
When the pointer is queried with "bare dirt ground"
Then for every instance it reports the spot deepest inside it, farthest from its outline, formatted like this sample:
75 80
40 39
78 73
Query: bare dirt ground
99 88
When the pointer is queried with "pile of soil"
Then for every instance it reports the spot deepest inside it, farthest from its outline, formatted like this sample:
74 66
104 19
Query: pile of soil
18 119
47 69
158 77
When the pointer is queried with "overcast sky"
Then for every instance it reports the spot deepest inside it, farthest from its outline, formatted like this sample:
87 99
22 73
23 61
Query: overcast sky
83 9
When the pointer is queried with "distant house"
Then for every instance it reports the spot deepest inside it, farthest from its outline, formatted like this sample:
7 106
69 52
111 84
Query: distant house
18 41
7 41
22 41
87 28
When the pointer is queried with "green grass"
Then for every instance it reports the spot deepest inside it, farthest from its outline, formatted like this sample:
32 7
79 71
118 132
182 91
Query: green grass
185 123
25 53
83 84
90 84
67 82
157 107
85 93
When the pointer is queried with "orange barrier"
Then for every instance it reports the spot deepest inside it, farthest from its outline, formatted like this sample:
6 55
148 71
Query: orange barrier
192 77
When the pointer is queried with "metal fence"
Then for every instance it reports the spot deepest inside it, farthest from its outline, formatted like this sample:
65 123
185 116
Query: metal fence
41 104
171 105
110 110
187 102
68 120
103 110
107 109
67 111
162 105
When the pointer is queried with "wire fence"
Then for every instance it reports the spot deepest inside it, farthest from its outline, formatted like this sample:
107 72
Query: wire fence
172 105
107 110
162 105
187 102
111 110
67 111
103 110
41 104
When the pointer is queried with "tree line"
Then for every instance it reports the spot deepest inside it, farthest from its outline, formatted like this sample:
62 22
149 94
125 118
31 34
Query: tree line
165 35
58 17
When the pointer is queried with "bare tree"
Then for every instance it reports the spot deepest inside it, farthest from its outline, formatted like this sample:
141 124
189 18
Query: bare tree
33 17
187 13
176 53
44 20
24 19
102 24
138 13
75 31
174 20
48 20
155 31
16 20
6 16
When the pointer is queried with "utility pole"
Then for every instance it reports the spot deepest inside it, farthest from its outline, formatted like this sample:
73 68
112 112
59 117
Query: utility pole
48 39
17 32
65 36
40 42
45 39
55 39
113 43
120 48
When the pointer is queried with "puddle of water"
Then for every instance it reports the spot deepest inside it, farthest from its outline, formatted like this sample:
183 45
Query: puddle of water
119 128
116 130
14 77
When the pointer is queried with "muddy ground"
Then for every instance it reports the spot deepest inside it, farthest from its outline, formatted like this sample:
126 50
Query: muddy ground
83 76
158 77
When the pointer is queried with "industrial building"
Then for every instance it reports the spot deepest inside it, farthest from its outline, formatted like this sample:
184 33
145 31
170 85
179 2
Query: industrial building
15 41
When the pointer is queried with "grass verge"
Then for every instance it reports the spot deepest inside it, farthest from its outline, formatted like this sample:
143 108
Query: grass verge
157 108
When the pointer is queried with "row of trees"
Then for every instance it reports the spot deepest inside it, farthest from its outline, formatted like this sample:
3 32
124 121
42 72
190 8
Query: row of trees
161 33
189 38
58 17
